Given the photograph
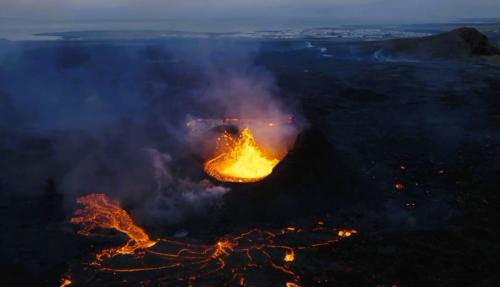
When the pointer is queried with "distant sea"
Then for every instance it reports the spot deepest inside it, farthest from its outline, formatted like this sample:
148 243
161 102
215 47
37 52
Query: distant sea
18 30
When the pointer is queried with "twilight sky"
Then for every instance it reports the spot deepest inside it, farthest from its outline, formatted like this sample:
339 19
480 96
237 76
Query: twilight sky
355 11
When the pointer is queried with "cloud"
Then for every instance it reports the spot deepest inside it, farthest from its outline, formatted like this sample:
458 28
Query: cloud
207 9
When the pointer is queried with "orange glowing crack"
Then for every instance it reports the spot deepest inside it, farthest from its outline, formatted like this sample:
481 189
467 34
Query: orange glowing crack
177 260
240 159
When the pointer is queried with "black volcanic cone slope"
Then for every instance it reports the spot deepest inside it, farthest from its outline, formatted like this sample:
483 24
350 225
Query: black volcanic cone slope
462 43
311 180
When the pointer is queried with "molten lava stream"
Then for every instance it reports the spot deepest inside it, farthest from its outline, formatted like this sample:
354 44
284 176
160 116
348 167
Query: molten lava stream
235 258
240 159
101 212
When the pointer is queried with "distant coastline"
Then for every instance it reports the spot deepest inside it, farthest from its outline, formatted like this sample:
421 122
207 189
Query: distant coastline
109 30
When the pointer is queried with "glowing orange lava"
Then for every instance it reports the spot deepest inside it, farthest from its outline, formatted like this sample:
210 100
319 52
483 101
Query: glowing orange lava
65 282
289 256
240 159
346 233
168 262
101 212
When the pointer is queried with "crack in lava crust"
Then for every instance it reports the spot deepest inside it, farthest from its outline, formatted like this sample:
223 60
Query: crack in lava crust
231 259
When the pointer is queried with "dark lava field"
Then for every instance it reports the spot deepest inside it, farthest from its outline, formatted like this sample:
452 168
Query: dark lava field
401 147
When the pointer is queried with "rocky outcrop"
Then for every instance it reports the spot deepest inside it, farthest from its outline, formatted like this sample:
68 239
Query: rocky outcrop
462 43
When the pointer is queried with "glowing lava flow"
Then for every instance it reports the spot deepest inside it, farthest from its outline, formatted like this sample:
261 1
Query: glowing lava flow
65 282
233 260
101 212
239 160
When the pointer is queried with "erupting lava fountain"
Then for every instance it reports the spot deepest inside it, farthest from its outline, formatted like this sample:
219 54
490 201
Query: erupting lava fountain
239 159
236 155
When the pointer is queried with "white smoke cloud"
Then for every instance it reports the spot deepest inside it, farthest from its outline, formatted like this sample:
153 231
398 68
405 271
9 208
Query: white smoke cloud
144 182
252 94
160 162
176 199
